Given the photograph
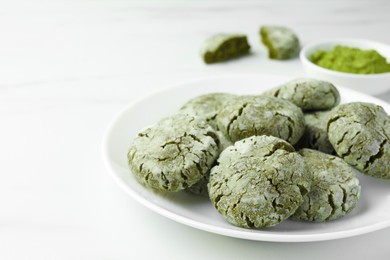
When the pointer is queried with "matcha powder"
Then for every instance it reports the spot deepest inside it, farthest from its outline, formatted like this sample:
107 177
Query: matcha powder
352 60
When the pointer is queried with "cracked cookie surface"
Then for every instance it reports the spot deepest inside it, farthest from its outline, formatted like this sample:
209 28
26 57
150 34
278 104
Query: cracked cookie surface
206 106
244 116
335 189
308 94
316 136
258 182
360 134
173 154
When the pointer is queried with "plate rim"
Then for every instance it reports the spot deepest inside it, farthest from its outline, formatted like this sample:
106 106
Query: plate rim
242 234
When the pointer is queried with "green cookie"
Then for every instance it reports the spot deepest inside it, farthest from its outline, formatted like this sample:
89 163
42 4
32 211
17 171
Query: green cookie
258 182
308 94
282 43
245 116
335 189
360 134
222 47
173 154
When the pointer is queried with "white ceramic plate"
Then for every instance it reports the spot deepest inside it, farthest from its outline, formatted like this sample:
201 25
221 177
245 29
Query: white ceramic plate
372 212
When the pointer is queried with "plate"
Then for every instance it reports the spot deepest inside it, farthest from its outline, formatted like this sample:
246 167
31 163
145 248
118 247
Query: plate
372 212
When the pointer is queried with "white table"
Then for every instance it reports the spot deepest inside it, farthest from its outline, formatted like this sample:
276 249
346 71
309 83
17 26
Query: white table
67 67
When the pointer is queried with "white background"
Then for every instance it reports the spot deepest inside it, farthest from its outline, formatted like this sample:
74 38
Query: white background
67 67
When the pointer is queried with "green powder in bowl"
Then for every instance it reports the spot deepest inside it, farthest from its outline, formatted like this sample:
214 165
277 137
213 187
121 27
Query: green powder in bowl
351 60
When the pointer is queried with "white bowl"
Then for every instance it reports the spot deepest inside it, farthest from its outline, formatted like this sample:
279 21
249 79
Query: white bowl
372 84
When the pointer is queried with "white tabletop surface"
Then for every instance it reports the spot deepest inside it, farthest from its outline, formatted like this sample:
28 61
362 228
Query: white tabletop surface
68 66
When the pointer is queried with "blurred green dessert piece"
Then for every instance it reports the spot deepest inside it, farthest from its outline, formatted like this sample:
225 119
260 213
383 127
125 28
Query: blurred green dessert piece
222 47
258 182
282 43
335 189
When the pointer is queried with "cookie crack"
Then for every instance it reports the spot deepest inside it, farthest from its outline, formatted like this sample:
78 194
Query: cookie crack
342 138
275 147
314 139
199 167
376 156
309 209
196 139
170 157
131 155
332 205
276 94
330 121
289 126
165 179
143 135
249 222
234 118
344 198
214 137
302 190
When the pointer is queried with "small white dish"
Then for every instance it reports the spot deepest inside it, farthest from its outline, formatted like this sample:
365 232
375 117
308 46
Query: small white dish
372 212
371 84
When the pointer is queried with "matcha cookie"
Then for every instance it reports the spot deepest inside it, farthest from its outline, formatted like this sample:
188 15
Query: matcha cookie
282 43
222 47
335 189
308 94
173 154
245 116
360 134
316 136
258 182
